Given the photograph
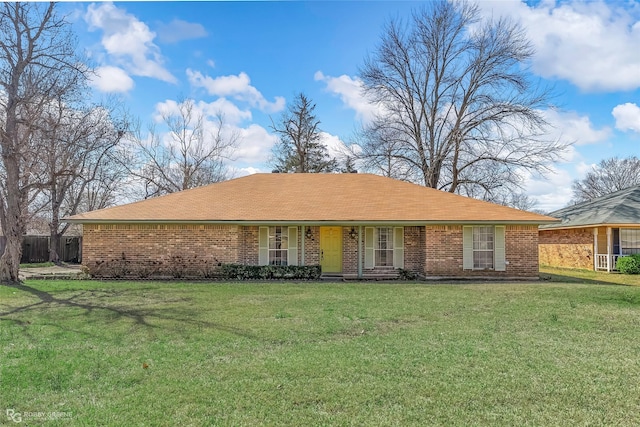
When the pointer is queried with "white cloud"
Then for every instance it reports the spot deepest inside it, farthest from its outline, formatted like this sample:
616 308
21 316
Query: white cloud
254 142
232 115
335 146
592 44
111 79
179 30
571 127
627 117
349 89
236 86
128 41
249 170
551 192
255 145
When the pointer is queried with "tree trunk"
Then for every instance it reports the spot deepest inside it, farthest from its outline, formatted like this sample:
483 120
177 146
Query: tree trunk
10 259
13 216
54 236
54 244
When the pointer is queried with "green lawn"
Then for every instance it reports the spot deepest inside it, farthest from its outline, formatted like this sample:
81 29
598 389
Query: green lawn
377 354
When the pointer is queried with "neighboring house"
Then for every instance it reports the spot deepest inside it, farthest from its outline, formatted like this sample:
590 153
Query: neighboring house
593 235
353 225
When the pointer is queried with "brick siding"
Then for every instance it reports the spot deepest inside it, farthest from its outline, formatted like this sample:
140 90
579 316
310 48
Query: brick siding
124 249
572 248
158 249
414 249
444 252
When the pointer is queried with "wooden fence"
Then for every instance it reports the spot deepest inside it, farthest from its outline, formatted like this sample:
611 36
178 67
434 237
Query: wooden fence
36 249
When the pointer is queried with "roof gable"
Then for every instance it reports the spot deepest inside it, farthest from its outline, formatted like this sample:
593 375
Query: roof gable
620 207
311 198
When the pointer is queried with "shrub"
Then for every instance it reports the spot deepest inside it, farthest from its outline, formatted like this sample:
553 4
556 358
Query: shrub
407 274
629 264
269 272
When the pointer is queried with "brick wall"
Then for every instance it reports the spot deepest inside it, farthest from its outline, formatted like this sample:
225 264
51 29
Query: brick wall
414 249
158 249
444 252
571 248
349 252
248 245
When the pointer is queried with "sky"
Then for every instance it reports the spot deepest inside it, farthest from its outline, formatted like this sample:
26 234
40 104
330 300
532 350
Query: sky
247 60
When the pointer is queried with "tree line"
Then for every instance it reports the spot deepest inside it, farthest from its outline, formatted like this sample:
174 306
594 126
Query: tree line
457 110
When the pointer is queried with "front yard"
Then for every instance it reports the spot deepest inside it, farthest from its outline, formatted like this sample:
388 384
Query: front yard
147 353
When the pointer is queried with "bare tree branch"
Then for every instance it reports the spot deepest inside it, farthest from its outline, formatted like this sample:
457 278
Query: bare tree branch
455 101
606 177
192 153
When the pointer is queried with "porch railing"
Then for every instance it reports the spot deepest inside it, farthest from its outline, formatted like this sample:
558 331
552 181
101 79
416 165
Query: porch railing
607 262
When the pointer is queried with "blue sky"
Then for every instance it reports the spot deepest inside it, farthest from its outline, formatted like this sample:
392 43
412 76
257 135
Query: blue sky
247 59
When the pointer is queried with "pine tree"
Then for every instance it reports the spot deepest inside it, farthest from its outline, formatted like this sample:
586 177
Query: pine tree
300 149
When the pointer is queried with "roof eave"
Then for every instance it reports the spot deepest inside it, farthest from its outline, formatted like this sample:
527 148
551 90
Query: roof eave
308 222
591 225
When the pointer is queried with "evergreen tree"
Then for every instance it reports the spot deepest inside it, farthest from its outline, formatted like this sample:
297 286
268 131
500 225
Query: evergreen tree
300 148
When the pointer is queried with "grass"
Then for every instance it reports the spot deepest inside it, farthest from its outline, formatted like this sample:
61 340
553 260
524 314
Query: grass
569 275
37 265
165 354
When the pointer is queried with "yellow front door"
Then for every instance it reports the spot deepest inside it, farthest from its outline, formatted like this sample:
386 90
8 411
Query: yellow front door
331 249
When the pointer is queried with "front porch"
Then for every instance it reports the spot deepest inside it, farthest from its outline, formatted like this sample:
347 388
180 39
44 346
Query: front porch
611 243
605 262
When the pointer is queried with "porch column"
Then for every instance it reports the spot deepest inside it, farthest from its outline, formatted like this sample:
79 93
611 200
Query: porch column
301 233
608 249
359 252
595 249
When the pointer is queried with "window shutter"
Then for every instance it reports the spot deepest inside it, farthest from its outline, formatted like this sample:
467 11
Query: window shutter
499 251
398 247
467 248
368 247
292 255
263 246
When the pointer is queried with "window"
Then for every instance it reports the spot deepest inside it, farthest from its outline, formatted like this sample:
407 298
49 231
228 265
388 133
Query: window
278 245
630 241
483 247
384 247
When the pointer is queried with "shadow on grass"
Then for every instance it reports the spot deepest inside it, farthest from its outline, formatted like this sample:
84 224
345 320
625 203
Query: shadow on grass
138 315
568 277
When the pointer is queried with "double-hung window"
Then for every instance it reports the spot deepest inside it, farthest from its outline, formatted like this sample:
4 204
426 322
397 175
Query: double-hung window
483 240
483 247
630 241
384 247
278 245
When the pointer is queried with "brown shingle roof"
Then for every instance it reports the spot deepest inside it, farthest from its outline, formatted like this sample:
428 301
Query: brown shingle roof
312 198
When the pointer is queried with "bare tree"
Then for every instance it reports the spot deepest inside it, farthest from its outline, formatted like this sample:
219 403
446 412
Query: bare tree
37 64
606 177
191 154
75 153
455 102
300 148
